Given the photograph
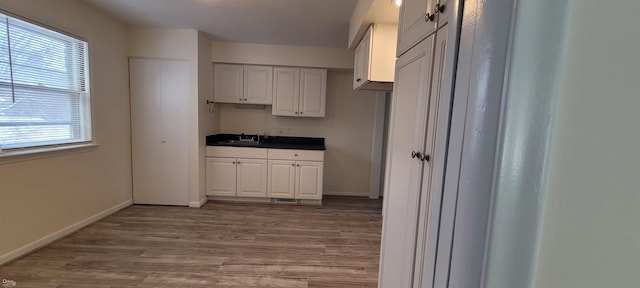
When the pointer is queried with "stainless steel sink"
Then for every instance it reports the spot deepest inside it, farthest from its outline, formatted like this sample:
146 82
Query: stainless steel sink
243 142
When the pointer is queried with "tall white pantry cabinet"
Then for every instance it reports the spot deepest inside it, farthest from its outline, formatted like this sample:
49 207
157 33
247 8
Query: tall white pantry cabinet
412 200
159 137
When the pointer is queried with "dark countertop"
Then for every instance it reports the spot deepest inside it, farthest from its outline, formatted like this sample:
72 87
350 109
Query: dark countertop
274 142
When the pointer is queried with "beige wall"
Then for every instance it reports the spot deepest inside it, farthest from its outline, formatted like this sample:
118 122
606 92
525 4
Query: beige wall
178 44
590 232
208 123
347 127
262 54
40 197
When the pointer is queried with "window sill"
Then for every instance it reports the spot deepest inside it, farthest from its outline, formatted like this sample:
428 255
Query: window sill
41 153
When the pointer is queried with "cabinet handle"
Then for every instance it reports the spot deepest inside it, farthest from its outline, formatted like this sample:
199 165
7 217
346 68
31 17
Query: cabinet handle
298 165
234 162
359 79
440 8
301 113
240 99
296 155
296 113
415 154
294 165
425 157
429 17
238 163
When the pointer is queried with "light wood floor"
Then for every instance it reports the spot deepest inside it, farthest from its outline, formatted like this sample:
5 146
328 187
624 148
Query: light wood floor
219 245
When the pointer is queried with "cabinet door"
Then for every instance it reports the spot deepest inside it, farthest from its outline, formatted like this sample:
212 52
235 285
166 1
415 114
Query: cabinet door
258 84
252 178
429 218
286 91
412 27
313 92
228 83
361 67
221 176
410 100
443 17
309 180
281 182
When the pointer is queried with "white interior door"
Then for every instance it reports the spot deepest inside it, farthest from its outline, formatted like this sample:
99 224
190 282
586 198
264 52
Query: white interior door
159 106
286 91
147 161
281 183
402 194
252 178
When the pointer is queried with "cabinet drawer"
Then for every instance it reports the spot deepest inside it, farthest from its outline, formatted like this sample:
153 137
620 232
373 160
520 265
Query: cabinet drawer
287 154
236 152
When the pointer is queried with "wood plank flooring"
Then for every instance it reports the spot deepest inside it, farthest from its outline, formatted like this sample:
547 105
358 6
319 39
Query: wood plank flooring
220 245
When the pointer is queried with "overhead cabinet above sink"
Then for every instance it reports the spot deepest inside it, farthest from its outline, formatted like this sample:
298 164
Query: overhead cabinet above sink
293 91
243 84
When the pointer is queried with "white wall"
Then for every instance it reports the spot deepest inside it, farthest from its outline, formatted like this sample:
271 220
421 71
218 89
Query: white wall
347 129
591 230
208 123
180 44
41 197
262 54
534 81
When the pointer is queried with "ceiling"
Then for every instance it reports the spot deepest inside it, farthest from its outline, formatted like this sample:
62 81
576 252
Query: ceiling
323 23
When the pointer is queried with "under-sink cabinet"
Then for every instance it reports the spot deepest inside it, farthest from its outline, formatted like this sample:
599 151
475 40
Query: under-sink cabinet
236 172
264 173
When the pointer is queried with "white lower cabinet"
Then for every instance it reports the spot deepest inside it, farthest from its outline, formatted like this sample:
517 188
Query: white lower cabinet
295 174
221 176
282 179
251 178
279 173
308 180
236 177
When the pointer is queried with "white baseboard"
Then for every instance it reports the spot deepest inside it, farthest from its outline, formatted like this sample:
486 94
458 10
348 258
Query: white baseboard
26 249
346 193
196 204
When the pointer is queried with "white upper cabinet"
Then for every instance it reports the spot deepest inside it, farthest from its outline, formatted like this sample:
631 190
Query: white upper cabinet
286 91
375 58
228 84
258 84
313 92
299 92
418 20
242 84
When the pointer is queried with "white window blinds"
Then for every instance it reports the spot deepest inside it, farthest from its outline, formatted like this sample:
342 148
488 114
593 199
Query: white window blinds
44 87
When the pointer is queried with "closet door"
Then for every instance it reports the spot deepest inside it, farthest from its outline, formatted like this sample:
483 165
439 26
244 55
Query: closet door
159 104
146 134
174 91
410 101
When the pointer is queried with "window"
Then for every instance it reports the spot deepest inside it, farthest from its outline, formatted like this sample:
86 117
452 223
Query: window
44 87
